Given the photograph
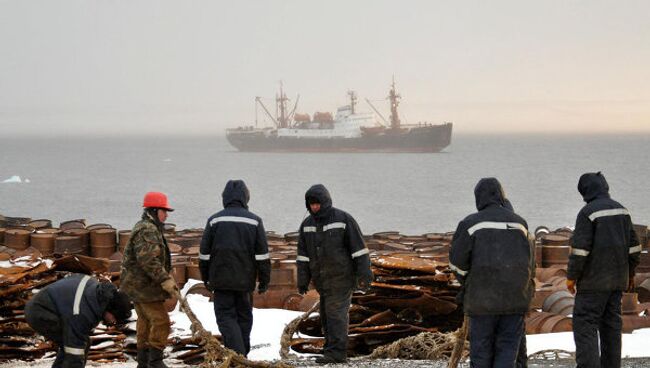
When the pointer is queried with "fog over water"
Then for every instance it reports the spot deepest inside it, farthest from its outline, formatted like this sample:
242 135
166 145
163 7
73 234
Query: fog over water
80 67
103 180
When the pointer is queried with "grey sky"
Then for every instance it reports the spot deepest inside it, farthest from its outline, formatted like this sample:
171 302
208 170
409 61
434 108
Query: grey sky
110 67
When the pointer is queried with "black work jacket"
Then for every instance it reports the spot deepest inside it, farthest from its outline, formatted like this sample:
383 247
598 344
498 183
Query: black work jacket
604 249
492 257
78 302
234 251
331 250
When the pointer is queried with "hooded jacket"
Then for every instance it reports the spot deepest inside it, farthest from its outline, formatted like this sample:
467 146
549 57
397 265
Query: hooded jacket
77 304
331 251
604 249
491 255
234 252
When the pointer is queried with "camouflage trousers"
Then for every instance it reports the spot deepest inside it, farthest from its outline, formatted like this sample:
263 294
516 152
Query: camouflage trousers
153 326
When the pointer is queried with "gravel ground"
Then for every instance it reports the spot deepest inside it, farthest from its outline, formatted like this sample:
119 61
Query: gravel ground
627 363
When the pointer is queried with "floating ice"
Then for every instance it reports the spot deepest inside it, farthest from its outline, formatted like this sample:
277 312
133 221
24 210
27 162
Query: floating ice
13 179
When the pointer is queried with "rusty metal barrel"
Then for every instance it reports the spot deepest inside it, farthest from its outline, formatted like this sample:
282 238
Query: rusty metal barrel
44 242
84 238
544 274
68 244
560 302
103 242
40 224
555 249
17 239
192 269
644 262
123 237
642 234
73 224
179 269
543 322
630 303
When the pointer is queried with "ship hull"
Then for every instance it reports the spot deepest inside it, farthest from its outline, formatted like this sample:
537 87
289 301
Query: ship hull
433 138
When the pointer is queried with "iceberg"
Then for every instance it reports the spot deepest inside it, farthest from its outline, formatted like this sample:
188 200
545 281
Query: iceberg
13 179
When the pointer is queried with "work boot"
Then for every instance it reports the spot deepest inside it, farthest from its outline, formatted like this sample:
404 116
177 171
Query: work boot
143 358
328 359
156 358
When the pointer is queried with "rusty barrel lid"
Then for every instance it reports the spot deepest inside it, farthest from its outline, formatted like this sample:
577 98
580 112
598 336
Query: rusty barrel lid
40 224
16 221
73 224
98 226
51 230
17 239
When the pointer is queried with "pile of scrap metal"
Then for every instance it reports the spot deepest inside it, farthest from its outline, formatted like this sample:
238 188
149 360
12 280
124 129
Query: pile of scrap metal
552 306
413 292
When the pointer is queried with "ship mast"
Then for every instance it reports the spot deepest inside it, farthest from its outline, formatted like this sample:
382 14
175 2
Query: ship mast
281 101
394 97
353 100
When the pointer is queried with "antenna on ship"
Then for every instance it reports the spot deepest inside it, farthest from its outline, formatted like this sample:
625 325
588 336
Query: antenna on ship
353 100
281 102
394 98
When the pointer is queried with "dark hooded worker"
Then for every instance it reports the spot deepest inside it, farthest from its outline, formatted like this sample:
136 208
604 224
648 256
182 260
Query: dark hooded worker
68 311
146 277
332 254
233 255
494 261
604 254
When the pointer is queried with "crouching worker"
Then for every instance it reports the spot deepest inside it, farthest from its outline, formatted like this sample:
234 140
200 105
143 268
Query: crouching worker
146 278
68 311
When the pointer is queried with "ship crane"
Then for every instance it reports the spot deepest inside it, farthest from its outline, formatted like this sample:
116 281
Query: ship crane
378 113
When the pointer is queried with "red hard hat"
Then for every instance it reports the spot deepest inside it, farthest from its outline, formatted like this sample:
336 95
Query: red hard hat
156 200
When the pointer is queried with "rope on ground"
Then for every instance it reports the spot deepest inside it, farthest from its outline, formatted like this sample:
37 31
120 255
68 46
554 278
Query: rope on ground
424 346
290 329
552 354
217 355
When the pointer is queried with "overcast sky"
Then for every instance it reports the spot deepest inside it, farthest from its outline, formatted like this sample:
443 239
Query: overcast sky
177 67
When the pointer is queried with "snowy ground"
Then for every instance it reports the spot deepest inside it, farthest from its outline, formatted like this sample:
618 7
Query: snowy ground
269 324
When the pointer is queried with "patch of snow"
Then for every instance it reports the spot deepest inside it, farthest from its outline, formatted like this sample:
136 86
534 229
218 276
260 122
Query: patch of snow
635 345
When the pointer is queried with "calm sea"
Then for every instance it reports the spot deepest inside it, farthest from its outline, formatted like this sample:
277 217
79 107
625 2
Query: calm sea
103 180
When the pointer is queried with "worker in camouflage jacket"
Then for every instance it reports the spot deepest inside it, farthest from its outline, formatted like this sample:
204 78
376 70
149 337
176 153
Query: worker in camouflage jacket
494 261
234 254
332 254
68 311
604 254
146 278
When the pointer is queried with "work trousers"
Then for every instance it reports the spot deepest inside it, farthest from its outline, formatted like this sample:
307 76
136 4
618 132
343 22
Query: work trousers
234 313
334 314
522 353
594 314
494 340
153 326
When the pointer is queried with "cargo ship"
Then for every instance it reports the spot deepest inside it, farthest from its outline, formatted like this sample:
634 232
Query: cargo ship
347 131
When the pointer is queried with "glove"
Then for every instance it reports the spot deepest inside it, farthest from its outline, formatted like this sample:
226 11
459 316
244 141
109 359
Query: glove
571 285
630 284
262 288
208 286
169 286
302 290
